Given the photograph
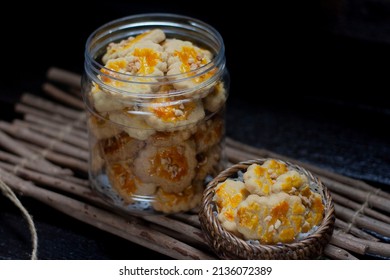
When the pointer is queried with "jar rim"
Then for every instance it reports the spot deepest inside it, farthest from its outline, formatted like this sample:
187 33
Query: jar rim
160 19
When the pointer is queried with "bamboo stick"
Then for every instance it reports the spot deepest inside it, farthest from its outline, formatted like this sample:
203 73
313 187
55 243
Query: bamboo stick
64 133
349 228
41 178
22 162
18 161
362 221
236 156
56 183
21 108
65 77
57 158
62 96
336 253
181 237
374 248
54 125
48 143
52 107
341 241
359 207
75 91
192 220
358 195
180 227
40 162
77 180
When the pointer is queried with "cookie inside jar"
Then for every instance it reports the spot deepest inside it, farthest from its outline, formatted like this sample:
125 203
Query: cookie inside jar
156 102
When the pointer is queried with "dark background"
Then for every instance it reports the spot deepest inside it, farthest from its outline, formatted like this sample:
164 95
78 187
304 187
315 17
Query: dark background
320 71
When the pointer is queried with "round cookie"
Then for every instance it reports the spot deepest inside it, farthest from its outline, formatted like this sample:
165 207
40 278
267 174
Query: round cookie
126 184
214 101
120 147
209 133
133 124
208 163
166 138
228 195
183 201
167 114
270 219
172 168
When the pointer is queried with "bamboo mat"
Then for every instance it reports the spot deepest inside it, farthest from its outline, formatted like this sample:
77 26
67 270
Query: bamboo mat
44 155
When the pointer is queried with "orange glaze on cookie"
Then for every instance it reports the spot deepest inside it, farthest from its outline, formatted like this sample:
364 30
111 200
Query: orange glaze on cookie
114 66
116 143
172 199
174 113
148 59
188 55
127 181
169 163
247 219
264 182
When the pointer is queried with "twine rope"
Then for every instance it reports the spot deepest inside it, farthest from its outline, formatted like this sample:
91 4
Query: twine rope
362 208
7 192
376 192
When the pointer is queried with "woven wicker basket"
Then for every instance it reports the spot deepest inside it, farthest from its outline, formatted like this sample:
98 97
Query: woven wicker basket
229 246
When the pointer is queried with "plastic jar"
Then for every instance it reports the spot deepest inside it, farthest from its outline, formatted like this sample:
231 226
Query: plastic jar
156 110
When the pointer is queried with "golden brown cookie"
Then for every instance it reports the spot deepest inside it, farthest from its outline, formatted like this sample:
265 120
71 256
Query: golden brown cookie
228 195
169 114
103 101
271 219
290 182
184 57
133 123
209 133
257 180
185 200
209 163
172 168
275 168
166 138
96 159
124 47
214 101
126 184
101 128
120 147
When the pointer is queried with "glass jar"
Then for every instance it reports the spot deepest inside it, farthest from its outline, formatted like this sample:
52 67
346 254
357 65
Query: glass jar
155 88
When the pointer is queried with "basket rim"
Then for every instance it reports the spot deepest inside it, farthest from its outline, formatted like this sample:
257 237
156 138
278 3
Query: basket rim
212 228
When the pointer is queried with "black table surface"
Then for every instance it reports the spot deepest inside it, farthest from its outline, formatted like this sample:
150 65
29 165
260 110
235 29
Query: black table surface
320 99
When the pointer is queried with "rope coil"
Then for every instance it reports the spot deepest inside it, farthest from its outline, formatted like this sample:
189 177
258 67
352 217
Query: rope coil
7 192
